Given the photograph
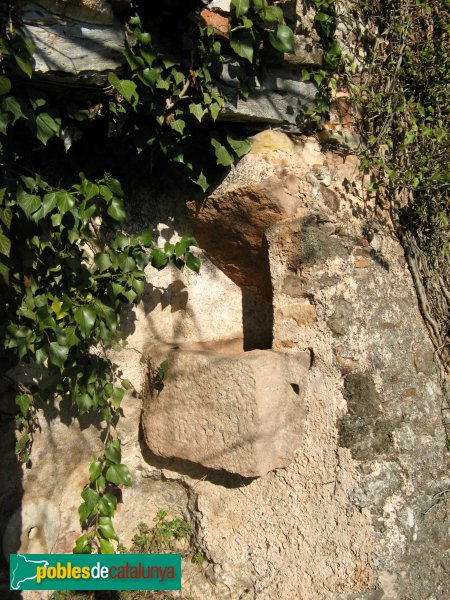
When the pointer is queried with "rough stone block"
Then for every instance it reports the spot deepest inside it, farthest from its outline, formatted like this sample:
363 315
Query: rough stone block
279 98
243 413
81 50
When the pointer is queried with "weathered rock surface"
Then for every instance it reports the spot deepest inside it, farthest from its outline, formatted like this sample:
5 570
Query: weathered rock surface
278 99
243 413
306 52
361 511
256 206
89 11
82 49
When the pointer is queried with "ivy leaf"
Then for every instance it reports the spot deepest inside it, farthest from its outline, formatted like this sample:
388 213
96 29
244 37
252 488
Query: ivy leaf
113 452
134 61
118 474
242 44
116 399
83 544
178 125
28 203
15 107
83 512
64 201
6 217
193 262
126 263
85 318
91 498
201 181
5 85
222 155
115 187
23 402
85 403
57 354
163 369
106 527
89 189
56 306
146 237
240 147
126 88
95 469
272 14
49 202
47 127
41 356
116 210
159 259
138 286
181 246
106 547
102 261
214 110
197 110
105 508
148 56
241 6
5 244
24 65
4 272
111 500
126 384
260 4
105 192
149 76
283 39
5 120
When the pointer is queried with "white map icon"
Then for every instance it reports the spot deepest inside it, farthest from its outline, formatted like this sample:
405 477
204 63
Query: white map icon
15 585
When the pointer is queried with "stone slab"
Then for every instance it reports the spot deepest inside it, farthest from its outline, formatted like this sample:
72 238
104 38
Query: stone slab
71 48
242 414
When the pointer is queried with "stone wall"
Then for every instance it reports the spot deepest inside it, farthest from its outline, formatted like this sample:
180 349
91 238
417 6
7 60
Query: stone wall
354 506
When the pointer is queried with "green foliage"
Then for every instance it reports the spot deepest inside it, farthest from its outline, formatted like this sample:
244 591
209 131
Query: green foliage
106 473
26 422
325 23
70 270
68 264
67 267
169 97
254 23
405 98
162 536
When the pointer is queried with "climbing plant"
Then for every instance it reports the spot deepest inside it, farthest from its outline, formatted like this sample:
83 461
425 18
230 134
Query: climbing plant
325 22
169 103
68 262
403 93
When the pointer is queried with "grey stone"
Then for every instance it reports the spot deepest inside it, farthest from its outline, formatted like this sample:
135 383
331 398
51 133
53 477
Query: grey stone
73 49
223 5
88 11
278 99
243 413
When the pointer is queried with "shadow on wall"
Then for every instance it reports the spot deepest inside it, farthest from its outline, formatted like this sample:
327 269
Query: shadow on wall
11 490
191 469
30 519
257 320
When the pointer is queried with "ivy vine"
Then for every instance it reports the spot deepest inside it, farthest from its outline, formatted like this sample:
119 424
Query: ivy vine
68 264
